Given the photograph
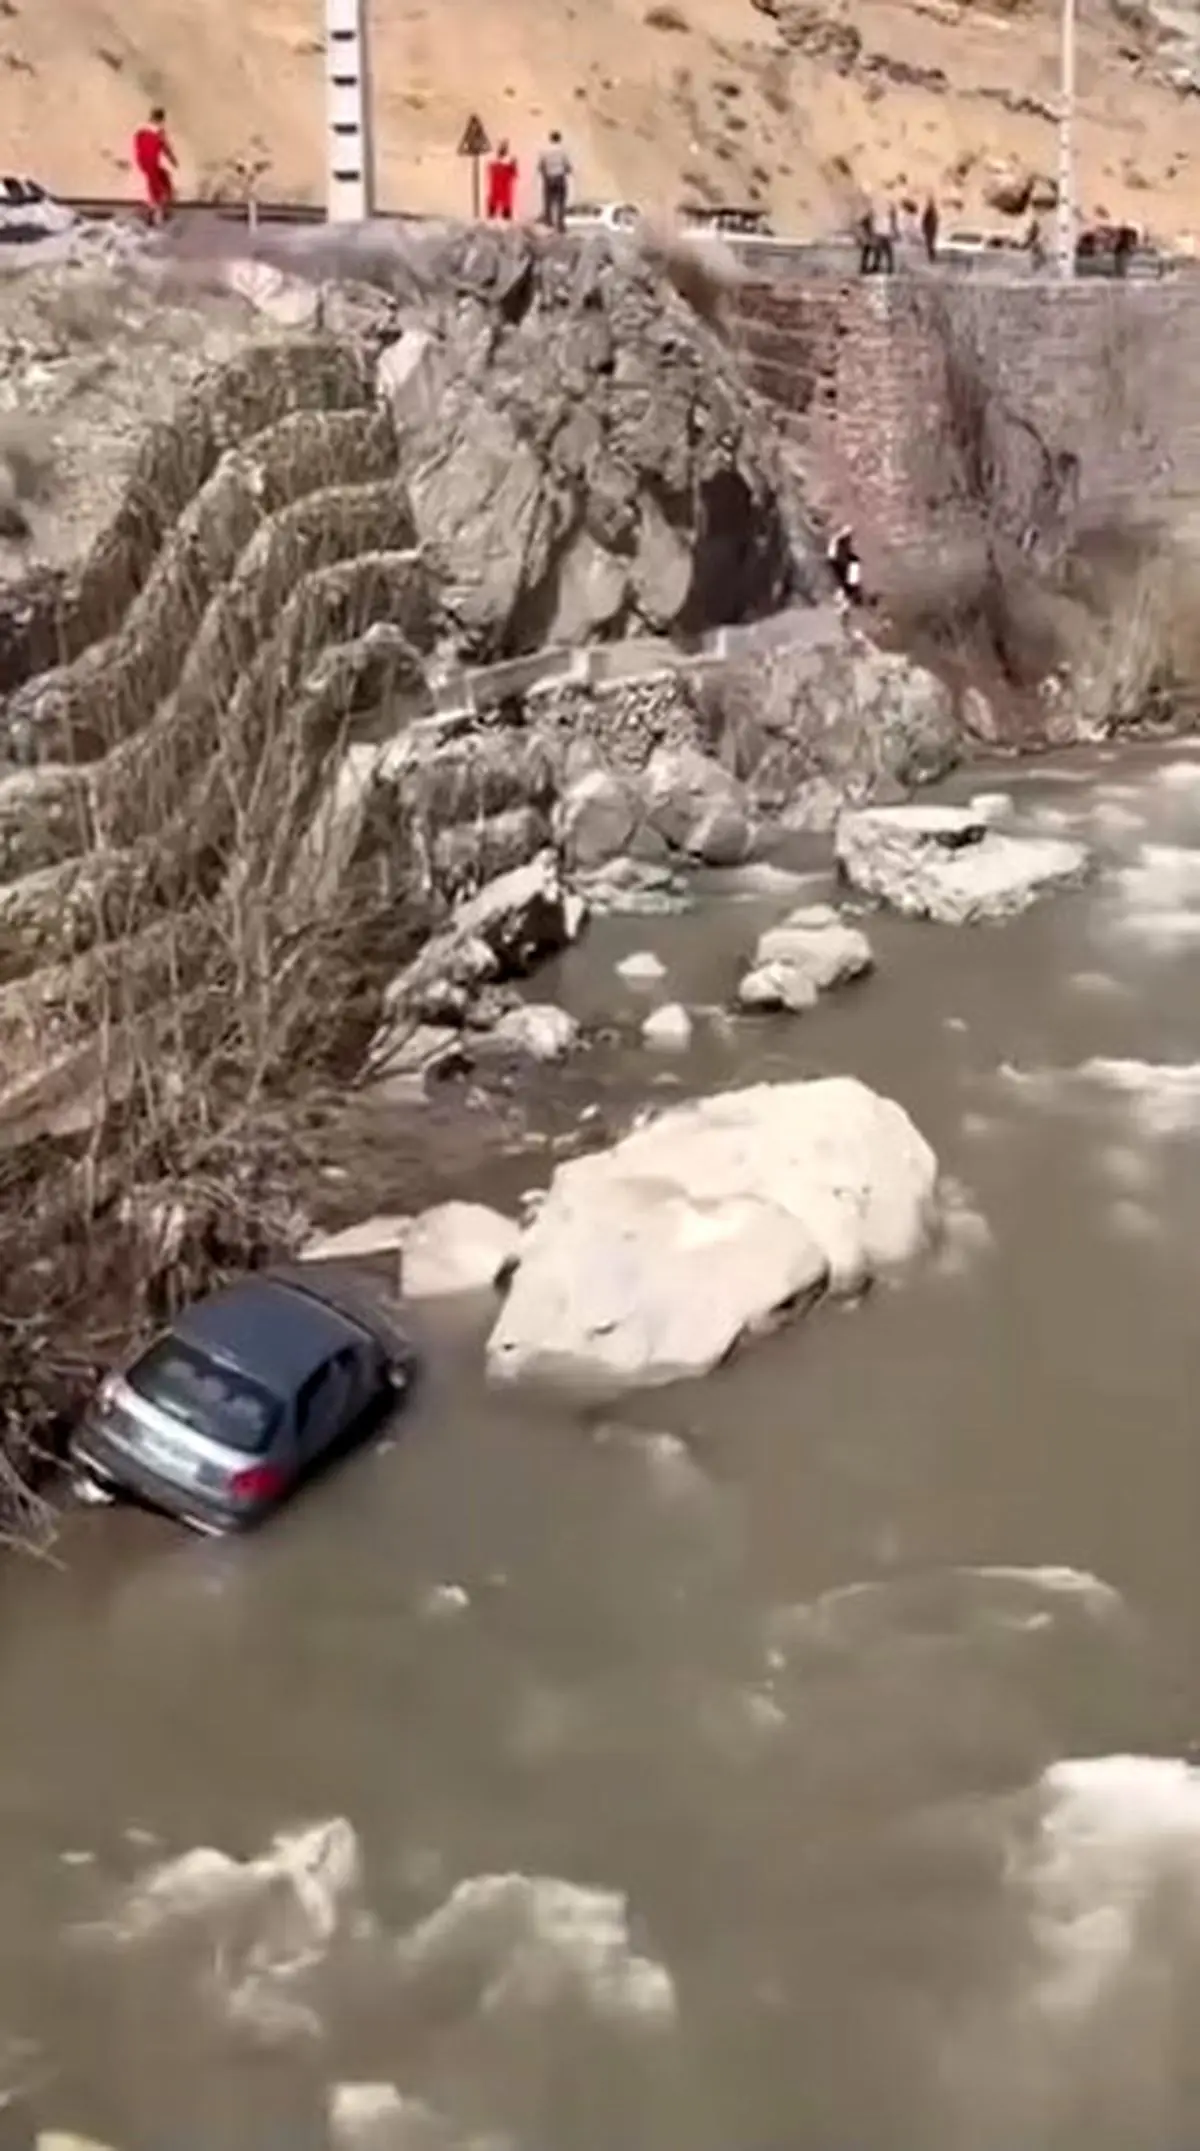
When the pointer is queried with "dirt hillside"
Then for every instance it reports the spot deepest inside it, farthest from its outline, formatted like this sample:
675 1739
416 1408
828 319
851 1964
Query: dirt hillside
659 99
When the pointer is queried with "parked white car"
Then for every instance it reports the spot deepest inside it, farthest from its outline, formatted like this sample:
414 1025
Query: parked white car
29 213
608 216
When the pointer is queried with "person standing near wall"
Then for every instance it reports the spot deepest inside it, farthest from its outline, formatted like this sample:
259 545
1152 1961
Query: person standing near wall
554 171
502 184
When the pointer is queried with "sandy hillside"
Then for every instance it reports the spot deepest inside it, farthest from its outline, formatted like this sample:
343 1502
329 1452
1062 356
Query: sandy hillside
658 101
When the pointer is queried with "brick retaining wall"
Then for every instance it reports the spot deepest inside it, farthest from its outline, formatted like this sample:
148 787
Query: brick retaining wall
1105 372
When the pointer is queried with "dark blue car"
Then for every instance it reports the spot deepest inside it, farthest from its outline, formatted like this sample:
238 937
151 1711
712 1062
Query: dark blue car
244 1395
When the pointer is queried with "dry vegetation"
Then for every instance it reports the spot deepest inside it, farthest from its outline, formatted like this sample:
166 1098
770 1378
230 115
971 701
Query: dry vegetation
211 961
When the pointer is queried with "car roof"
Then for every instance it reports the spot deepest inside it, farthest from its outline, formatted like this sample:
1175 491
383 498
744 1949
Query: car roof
271 1331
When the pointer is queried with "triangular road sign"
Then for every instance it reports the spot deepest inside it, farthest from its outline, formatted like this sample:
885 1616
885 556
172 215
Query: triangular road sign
476 141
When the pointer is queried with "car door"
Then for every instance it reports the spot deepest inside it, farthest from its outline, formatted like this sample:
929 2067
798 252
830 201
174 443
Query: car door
325 1406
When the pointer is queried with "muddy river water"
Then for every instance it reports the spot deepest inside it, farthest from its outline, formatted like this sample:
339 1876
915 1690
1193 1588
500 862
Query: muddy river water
867 1671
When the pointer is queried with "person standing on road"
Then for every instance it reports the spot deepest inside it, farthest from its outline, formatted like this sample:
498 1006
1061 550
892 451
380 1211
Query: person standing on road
929 228
502 184
868 243
154 159
554 170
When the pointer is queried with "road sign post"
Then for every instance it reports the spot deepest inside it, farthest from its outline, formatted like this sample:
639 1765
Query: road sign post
475 143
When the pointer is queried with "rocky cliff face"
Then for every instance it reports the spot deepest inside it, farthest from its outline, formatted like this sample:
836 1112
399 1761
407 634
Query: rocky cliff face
496 443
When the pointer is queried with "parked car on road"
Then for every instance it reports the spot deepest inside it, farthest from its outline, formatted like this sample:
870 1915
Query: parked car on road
605 216
28 213
243 1397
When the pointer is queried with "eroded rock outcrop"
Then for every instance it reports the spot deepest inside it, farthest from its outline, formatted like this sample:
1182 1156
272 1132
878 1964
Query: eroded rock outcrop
952 864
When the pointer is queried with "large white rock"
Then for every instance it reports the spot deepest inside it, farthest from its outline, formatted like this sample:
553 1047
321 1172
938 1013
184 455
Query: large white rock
810 951
456 1247
951 863
648 1261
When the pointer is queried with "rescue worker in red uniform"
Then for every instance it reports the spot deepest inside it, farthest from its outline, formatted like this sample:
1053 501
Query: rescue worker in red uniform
154 157
502 184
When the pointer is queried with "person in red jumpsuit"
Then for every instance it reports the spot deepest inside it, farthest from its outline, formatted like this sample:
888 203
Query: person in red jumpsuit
502 184
154 157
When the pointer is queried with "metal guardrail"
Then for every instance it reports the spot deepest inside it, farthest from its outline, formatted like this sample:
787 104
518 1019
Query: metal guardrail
105 208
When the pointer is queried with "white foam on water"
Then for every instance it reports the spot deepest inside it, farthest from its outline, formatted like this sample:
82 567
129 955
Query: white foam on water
526 1942
1164 1096
1129 1220
1132 1169
951 1603
1099 984
965 1234
1178 776
1080 2029
979 1127
1056 821
1114 1873
1162 877
1111 817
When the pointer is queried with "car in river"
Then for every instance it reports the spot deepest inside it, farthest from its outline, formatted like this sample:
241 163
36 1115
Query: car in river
245 1395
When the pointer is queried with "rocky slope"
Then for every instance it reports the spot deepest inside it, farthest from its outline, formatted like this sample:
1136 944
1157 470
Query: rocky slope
789 102
238 738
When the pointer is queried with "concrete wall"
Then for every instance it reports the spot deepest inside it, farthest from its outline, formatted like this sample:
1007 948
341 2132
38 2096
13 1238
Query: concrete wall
1107 373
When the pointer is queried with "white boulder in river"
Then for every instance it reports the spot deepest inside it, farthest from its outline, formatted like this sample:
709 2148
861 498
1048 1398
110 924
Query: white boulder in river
648 1261
456 1247
812 950
951 863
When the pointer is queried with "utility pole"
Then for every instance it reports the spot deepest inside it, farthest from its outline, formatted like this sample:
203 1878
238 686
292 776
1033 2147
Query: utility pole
1066 144
349 146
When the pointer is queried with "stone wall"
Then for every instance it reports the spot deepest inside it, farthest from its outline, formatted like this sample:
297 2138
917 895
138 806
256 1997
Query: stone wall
1104 372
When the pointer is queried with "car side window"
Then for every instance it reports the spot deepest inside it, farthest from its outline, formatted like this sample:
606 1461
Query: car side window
311 1396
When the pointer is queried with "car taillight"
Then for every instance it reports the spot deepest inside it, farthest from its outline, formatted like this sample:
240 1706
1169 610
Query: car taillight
259 1482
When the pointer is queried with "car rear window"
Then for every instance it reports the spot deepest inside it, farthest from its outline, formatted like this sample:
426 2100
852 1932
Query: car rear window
202 1394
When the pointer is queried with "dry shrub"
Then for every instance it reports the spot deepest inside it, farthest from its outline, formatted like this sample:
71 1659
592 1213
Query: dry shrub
665 17
703 271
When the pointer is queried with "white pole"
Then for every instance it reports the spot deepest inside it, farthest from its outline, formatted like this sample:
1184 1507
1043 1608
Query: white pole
349 149
1066 144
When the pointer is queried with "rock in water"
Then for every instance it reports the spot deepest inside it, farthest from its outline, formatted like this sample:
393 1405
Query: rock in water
647 1262
951 863
669 1026
539 1029
456 1247
811 951
641 968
